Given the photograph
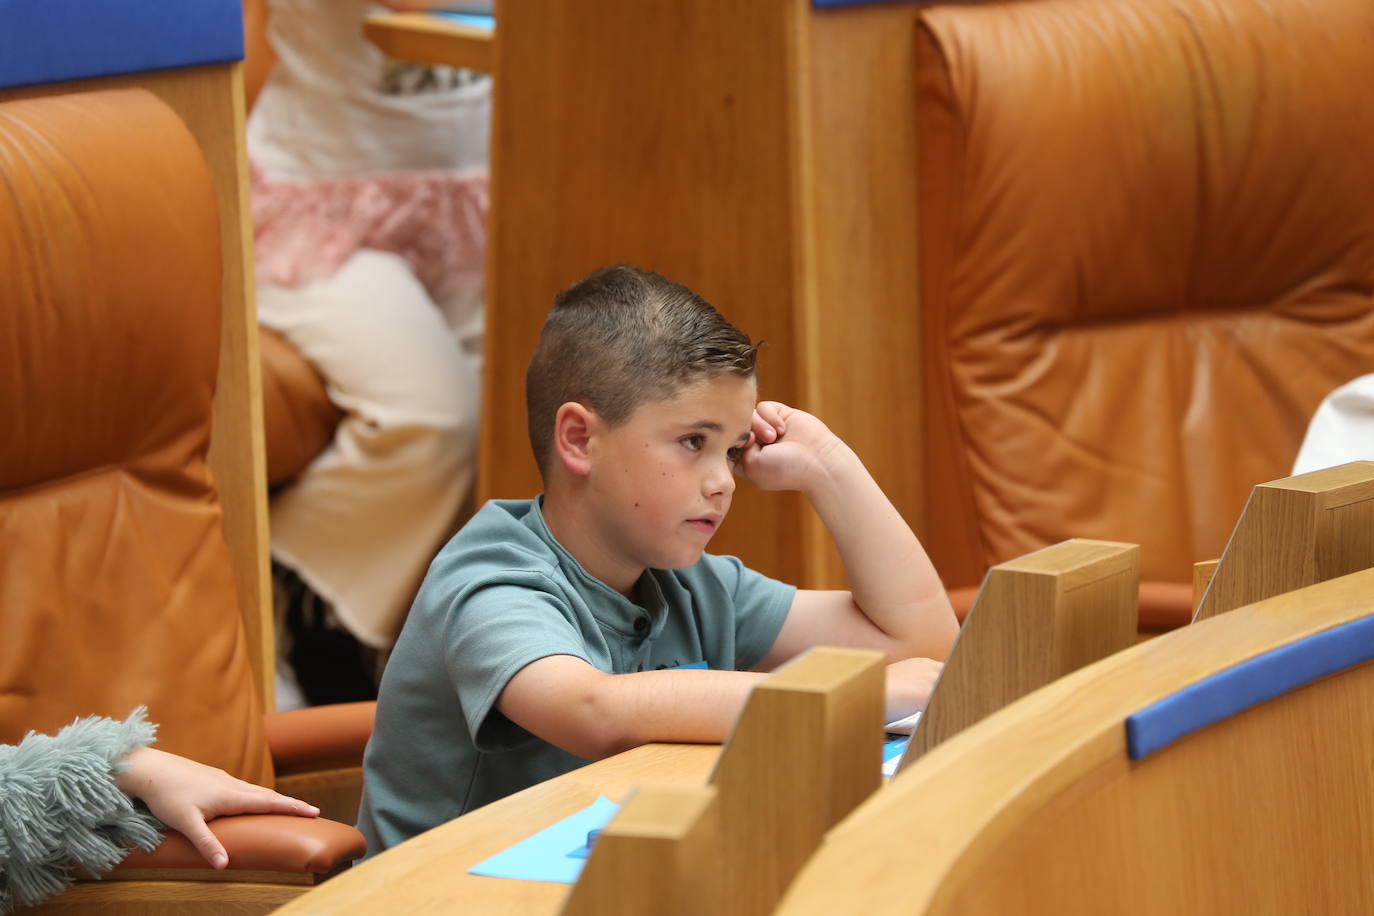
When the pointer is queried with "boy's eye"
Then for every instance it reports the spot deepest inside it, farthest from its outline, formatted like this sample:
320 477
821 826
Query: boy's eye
734 454
693 443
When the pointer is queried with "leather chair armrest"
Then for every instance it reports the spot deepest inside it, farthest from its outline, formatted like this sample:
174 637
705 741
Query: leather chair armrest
1163 605
263 842
962 598
319 737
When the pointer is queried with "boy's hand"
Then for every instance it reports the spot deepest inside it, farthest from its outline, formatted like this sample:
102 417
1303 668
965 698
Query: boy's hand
789 448
909 683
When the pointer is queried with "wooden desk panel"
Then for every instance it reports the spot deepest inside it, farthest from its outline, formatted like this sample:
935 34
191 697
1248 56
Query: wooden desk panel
429 874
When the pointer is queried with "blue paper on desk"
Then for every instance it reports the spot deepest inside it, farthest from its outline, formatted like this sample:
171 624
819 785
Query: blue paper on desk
893 749
544 856
475 20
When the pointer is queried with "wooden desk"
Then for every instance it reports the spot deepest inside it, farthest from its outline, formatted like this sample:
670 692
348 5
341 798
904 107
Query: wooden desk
432 40
429 874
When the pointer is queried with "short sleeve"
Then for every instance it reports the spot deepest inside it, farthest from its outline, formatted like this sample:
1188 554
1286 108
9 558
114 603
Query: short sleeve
761 605
498 630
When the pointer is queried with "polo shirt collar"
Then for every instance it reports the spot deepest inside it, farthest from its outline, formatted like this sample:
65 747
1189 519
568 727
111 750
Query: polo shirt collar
607 605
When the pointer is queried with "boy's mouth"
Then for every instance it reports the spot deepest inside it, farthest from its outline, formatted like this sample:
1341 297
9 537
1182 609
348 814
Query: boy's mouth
707 524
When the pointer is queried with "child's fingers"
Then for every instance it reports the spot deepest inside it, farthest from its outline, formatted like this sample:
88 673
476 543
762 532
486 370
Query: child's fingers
190 824
258 800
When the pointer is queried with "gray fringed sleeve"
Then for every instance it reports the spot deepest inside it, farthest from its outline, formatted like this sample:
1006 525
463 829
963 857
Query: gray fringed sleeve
59 806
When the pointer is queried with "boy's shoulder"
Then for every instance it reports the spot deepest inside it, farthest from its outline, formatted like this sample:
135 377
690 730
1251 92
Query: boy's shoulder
504 536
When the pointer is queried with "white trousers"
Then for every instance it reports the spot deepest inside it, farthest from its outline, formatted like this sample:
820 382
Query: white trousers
362 522
1342 429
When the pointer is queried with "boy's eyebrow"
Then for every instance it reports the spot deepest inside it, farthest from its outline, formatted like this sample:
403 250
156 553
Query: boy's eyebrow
713 426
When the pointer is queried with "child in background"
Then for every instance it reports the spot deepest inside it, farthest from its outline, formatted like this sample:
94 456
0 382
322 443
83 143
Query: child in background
567 628
369 211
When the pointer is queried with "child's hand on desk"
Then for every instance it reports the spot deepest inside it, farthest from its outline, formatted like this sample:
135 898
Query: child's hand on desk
909 683
789 450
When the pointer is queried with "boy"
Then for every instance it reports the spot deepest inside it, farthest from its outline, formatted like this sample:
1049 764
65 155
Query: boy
557 630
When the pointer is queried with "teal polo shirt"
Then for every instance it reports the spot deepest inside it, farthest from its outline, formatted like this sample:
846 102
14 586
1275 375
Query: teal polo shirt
501 594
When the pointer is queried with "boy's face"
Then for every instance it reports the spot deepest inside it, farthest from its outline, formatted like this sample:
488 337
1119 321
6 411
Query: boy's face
664 478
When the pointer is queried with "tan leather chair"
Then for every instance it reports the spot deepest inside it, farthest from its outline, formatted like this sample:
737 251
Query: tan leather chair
1146 254
115 576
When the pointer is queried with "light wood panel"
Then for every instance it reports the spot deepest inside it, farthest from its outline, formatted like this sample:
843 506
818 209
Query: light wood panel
1295 532
860 318
431 40
210 100
655 857
1037 809
169 898
737 148
1036 619
1202 577
806 750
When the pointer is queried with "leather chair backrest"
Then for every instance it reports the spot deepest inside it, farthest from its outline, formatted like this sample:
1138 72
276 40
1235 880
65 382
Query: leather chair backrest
1147 252
115 579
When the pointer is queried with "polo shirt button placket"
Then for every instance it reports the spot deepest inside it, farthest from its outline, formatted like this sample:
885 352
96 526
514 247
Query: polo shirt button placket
641 624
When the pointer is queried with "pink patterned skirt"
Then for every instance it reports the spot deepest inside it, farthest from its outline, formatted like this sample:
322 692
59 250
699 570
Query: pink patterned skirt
306 230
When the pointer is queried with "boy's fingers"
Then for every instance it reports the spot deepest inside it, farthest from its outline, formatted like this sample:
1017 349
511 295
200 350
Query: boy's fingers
772 413
762 431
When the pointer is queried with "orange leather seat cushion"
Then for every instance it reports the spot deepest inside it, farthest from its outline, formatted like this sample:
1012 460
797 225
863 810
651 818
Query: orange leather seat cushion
1147 250
114 573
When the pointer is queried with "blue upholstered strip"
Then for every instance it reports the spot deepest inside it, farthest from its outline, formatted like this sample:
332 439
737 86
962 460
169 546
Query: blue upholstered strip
50 41
1252 681
854 2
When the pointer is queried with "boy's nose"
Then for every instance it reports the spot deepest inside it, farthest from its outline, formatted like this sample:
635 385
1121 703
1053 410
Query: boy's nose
721 480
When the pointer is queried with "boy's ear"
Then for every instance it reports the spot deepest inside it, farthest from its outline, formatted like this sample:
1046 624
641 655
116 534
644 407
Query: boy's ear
573 427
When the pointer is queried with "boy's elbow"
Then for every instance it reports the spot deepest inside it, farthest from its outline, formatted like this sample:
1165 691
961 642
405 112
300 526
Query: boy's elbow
934 636
602 727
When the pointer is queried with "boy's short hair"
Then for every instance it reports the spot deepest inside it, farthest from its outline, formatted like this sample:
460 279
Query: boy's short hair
622 336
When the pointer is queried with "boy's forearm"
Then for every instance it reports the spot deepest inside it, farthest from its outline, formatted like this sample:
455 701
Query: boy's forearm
690 706
890 576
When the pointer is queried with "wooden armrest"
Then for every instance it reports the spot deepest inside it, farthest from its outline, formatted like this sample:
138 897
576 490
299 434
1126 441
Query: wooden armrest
319 737
263 842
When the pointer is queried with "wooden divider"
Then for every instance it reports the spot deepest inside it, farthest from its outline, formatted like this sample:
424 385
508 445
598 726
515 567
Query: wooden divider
805 752
1040 809
1203 571
661 847
1293 533
1037 618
